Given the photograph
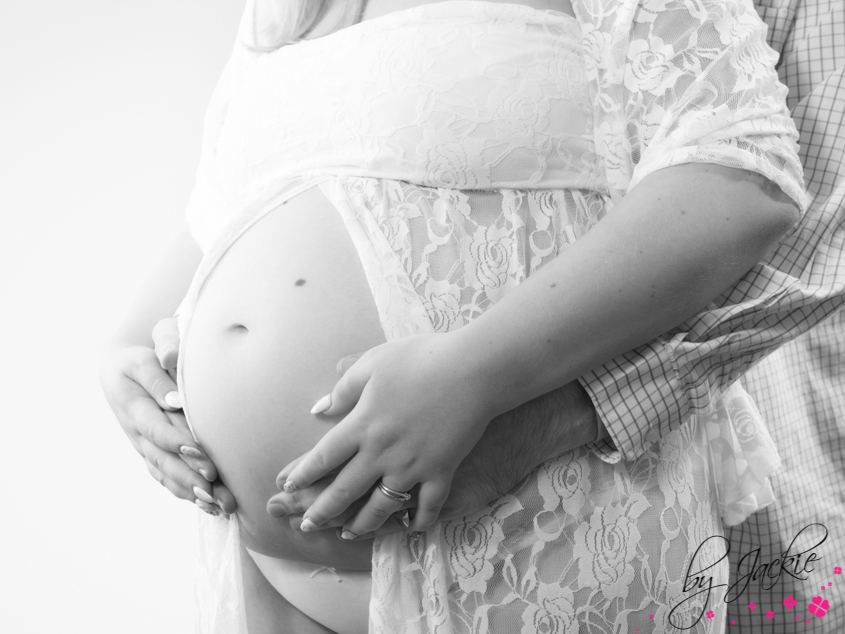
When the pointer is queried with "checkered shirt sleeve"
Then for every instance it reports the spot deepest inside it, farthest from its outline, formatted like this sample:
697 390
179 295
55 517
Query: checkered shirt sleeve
650 391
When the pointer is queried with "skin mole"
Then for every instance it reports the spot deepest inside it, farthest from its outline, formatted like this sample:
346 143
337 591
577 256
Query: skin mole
299 282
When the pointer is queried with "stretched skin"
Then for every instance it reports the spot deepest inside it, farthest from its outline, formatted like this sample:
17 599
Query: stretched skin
286 301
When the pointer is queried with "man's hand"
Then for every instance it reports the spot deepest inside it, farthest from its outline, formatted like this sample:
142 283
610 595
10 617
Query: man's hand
513 445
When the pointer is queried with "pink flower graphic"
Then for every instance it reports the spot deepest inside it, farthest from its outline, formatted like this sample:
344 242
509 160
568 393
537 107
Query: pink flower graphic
819 606
790 602
837 570
752 605
770 615
710 614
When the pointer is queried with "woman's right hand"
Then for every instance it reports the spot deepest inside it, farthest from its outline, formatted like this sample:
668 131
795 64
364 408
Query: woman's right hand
146 402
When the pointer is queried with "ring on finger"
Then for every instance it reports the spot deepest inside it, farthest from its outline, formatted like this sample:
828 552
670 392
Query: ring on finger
392 494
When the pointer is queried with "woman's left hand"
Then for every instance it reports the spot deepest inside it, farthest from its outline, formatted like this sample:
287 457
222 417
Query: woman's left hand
294 505
417 409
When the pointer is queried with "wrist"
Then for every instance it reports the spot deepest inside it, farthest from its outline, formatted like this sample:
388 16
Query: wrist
482 373
554 423
573 419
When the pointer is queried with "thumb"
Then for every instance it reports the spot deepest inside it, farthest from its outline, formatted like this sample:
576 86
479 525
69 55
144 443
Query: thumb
166 342
346 392
347 362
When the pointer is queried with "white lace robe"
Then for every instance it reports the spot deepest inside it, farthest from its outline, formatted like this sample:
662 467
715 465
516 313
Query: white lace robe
457 201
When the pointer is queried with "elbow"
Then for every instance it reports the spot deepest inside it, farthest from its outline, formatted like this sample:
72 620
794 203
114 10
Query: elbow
777 213
782 219
791 215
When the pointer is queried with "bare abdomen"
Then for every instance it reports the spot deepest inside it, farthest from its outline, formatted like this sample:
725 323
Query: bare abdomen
282 306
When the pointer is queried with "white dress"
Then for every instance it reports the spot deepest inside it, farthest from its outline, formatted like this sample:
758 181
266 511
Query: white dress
465 144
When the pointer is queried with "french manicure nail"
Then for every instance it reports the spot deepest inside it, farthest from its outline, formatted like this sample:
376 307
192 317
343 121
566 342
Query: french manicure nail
347 535
322 405
290 487
202 495
307 525
191 452
173 399
207 508
204 474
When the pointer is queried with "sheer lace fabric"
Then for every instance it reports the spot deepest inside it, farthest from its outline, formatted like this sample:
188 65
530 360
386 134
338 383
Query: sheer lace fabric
580 541
465 144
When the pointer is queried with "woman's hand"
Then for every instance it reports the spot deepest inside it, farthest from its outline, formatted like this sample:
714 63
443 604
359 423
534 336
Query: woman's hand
418 411
513 445
294 504
501 459
146 402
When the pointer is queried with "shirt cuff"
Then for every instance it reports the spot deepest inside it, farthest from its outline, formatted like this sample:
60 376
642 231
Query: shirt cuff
606 450
639 398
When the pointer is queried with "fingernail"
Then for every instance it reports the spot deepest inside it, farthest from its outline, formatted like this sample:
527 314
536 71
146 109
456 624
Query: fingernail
290 487
202 495
191 452
406 518
173 399
348 535
275 510
207 508
204 474
167 349
322 405
307 525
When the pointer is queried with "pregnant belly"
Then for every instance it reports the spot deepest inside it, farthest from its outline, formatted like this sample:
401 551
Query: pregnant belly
282 306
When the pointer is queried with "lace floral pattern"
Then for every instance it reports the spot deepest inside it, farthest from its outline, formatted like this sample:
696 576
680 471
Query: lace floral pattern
680 81
580 540
515 112
459 179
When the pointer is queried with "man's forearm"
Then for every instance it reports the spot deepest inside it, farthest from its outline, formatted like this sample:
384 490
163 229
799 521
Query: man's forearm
564 419
517 442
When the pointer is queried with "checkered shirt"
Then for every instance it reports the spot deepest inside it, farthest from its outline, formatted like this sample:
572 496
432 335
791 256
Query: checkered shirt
761 329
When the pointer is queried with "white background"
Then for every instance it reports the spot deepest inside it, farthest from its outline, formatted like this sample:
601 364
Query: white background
101 107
